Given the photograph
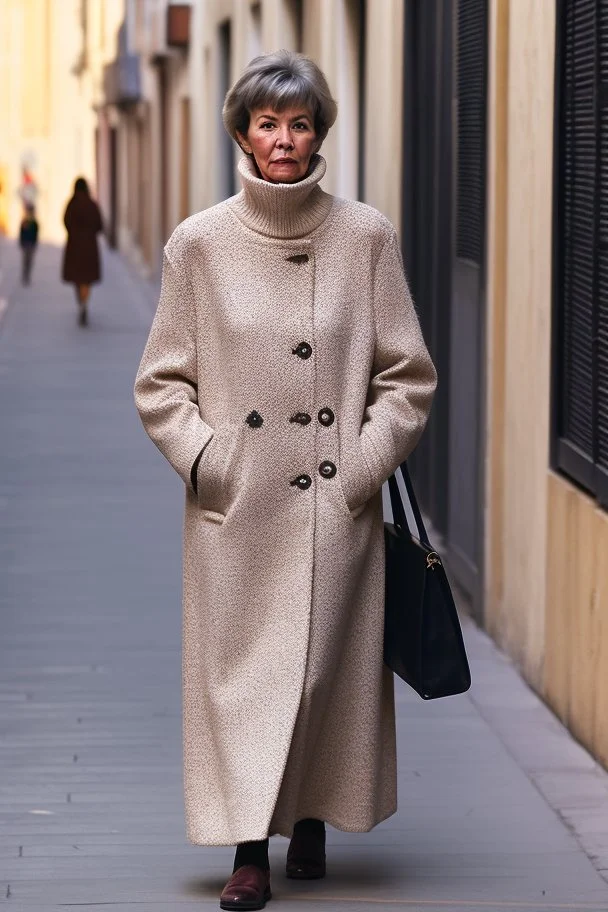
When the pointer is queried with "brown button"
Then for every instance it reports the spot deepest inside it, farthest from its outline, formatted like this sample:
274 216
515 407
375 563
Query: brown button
303 350
327 469
326 417
297 258
302 482
301 418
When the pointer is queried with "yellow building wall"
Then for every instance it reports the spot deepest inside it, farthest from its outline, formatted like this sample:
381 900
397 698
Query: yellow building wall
576 663
45 107
36 62
520 337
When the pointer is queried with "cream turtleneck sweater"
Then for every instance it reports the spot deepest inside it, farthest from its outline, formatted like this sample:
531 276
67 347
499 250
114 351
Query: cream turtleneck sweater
283 211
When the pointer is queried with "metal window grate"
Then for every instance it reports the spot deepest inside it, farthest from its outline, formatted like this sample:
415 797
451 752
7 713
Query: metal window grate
472 29
581 248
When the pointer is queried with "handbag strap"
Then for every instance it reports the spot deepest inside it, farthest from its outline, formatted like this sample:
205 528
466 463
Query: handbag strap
398 508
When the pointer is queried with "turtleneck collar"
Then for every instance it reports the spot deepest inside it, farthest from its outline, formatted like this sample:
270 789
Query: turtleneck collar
282 210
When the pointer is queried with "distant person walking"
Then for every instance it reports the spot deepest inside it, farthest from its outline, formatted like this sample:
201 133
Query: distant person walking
28 241
81 264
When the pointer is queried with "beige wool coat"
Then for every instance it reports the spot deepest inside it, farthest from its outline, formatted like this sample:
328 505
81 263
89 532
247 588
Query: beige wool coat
286 348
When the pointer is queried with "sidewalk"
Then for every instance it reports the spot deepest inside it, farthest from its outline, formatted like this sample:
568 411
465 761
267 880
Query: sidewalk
499 809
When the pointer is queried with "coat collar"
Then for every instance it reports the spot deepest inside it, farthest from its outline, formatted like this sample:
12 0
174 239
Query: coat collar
282 210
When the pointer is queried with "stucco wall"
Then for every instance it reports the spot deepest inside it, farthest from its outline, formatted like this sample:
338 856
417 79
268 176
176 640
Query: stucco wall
576 662
546 541
519 406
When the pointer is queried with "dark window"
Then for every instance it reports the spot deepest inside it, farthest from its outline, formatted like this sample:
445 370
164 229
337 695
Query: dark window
471 76
226 145
295 11
580 376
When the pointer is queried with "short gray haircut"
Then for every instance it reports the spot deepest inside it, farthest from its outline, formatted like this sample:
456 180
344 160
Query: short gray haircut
280 80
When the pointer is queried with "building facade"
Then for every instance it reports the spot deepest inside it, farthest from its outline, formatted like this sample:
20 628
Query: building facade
505 201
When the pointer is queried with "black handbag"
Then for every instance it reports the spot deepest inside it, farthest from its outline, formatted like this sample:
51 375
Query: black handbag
422 637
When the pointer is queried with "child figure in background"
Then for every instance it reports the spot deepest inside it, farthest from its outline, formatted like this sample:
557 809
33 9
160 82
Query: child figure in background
28 240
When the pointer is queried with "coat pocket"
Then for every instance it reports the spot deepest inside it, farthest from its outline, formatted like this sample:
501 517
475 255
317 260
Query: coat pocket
355 478
217 473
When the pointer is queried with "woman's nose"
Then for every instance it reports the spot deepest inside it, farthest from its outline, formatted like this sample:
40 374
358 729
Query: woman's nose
284 139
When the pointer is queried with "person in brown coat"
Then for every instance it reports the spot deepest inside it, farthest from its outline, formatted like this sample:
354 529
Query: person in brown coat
81 263
285 378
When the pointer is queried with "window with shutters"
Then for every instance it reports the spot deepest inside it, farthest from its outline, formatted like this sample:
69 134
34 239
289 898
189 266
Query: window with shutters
580 380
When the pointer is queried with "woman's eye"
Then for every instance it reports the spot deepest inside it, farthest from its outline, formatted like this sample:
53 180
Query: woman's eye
267 124
301 126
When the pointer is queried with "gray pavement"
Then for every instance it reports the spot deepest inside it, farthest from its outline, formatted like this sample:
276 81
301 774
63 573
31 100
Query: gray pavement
500 810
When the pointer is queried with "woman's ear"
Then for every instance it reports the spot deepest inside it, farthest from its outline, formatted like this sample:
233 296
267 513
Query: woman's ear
242 141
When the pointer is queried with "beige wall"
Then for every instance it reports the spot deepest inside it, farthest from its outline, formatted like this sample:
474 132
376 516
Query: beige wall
520 308
576 663
546 573
383 141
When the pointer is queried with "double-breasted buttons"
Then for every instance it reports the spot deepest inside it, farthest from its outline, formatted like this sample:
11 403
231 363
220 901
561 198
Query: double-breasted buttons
302 482
303 350
300 418
326 417
254 419
327 469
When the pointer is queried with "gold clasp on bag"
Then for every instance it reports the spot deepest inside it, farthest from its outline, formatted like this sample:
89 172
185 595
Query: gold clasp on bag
432 559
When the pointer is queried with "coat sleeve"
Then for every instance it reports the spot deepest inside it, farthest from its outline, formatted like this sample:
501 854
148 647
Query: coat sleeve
166 386
403 376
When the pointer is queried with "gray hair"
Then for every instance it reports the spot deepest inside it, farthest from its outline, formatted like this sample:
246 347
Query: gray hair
281 80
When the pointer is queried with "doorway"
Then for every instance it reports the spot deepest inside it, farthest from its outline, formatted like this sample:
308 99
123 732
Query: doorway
445 66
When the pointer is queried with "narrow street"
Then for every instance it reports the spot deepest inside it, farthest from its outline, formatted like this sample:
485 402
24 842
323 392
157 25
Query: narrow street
499 808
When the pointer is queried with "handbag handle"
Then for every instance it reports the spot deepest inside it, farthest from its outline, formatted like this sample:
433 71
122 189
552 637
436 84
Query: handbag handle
398 508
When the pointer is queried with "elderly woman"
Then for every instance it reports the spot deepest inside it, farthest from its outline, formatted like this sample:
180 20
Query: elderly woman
285 378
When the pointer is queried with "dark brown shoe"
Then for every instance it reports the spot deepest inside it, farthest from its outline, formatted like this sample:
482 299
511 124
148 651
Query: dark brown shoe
306 857
248 888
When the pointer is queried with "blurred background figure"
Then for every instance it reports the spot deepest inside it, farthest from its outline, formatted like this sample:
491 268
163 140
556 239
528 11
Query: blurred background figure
28 240
28 191
81 263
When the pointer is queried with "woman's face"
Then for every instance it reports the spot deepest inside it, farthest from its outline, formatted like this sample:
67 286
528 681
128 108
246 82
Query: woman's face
282 143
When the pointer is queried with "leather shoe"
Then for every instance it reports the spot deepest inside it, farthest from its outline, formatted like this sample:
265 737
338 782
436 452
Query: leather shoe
306 857
248 888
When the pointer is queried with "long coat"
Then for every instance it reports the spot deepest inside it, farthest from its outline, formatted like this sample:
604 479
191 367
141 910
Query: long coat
81 255
286 348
